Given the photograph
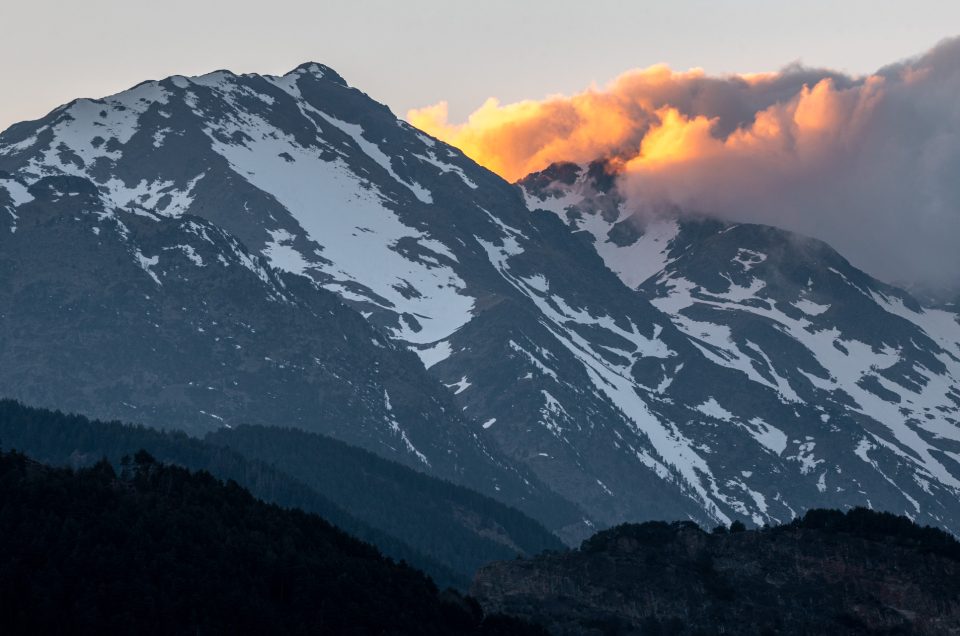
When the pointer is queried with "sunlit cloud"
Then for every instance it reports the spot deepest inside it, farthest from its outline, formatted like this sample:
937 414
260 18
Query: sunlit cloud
871 164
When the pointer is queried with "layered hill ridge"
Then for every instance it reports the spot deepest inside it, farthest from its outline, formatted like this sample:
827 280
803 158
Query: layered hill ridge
158 549
557 368
445 530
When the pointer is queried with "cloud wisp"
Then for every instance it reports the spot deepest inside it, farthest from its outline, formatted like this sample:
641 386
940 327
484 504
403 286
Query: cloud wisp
869 164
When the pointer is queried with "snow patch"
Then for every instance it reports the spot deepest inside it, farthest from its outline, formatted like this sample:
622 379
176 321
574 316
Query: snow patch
146 264
460 386
435 353
712 408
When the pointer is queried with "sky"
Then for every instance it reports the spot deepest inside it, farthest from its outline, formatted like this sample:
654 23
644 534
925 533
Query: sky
417 52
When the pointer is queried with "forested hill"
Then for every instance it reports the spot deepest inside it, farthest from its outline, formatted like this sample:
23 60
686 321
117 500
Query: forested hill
446 530
157 549
829 572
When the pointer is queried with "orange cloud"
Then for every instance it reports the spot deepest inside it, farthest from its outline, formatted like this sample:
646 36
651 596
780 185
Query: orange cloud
516 139
867 163
646 117
673 139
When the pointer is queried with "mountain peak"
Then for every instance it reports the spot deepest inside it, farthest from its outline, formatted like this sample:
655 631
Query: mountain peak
319 71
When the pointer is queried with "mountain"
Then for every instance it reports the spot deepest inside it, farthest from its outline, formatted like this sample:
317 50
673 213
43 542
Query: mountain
571 392
827 573
443 529
543 348
160 550
847 390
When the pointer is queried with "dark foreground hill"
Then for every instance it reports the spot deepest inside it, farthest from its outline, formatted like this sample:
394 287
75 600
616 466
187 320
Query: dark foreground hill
446 530
828 573
160 550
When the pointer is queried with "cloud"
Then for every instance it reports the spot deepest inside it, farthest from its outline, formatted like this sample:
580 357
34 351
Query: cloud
869 164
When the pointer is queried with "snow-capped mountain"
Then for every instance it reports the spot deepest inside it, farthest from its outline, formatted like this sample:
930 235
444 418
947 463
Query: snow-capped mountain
559 360
312 174
866 381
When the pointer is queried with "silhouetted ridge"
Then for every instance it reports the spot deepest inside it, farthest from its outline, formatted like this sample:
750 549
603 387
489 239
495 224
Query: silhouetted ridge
879 526
829 572
157 549
446 530
861 523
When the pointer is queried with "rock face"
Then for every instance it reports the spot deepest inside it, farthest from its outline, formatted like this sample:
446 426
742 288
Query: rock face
829 574
670 372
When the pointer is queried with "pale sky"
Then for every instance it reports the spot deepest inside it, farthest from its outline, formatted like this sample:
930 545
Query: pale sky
409 53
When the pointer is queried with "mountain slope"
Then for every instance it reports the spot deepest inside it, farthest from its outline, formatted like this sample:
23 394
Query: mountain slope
848 387
170 322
